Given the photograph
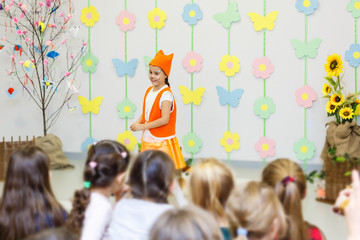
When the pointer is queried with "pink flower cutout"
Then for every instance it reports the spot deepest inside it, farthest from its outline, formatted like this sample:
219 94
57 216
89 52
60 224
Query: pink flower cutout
262 67
126 21
305 96
192 62
265 147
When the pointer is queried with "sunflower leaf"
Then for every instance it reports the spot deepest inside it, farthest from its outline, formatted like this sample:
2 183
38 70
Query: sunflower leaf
331 81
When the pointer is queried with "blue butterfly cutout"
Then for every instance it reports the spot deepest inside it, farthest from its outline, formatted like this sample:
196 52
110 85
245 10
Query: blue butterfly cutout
37 49
123 69
231 98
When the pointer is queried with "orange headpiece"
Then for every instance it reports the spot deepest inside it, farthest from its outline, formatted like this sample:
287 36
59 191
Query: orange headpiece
162 61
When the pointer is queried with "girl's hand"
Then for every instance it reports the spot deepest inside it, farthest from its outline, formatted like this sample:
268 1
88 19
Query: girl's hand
124 192
137 127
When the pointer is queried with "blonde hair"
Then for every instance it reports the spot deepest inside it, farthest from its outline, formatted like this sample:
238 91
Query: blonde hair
187 223
254 208
290 193
211 183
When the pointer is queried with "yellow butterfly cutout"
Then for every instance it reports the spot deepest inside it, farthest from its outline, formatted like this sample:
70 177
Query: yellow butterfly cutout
90 106
261 22
191 96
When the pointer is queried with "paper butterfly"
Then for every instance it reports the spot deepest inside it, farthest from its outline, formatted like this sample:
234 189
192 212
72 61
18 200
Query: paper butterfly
123 69
191 96
90 106
231 98
261 22
147 60
73 32
231 15
306 49
37 49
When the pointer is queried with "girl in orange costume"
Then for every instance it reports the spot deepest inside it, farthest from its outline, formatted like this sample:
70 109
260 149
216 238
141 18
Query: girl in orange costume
158 119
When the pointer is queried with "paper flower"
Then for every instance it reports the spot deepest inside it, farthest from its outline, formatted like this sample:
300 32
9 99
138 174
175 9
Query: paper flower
87 143
353 55
126 21
157 18
354 7
89 62
305 96
192 143
230 141
192 13
307 6
127 139
264 107
89 16
126 108
230 65
192 62
304 149
265 147
262 67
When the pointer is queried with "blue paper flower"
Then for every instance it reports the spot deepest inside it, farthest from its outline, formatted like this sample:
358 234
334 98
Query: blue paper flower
192 13
87 143
264 107
192 143
354 7
126 108
307 6
304 149
353 55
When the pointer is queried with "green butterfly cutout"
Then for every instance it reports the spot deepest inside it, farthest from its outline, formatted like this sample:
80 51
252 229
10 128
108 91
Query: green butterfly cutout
303 49
231 15
147 60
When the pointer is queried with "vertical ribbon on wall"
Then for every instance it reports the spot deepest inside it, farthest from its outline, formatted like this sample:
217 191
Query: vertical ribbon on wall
192 63
305 96
264 107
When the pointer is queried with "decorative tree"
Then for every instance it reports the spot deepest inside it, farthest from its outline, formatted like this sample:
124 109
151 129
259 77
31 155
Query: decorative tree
43 29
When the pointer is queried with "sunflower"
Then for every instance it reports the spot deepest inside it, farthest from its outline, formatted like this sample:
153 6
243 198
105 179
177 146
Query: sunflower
346 113
326 89
337 99
330 108
334 65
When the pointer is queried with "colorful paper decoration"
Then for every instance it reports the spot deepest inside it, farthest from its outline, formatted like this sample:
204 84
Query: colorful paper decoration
52 54
192 62
304 149
354 7
231 15
192 143
230 65
87 143
11 92
264 107
230 141
157 18
123 69
92 106
263 22
262 68
126 21
18 48
303 49
192 13
305 96
353 55
308 7
147 60
126 109
89 62
265 147
231 98
127 139
89 16
191 96
37 48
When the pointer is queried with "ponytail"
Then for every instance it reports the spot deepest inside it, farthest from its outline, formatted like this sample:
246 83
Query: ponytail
167 81
77 215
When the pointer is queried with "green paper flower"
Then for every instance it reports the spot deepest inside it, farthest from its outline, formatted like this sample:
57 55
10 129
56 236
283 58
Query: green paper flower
192 143
126 108
89 62
304 149
264 107
354 7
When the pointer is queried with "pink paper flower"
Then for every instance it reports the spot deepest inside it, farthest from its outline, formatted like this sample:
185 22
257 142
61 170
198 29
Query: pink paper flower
265 147
262 67
126 21
15 20
192 62
4 39
67 74
46 62
21 62
22 15
27 39
305 96
19 32
61 15
12 57
48 43
41 4
63 41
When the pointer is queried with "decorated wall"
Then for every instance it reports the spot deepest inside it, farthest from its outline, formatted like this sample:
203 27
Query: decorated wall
247 76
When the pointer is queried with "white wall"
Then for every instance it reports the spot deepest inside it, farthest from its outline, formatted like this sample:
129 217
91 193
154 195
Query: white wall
331 22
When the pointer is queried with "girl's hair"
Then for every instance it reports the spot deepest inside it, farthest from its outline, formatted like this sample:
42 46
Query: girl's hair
61 233
185 223
167 81
211 183
106 160
28 204
253 208
289 182
151 175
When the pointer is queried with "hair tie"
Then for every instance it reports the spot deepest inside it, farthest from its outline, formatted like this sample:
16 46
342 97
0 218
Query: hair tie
93 164
87 184
241 232
123 154
287 179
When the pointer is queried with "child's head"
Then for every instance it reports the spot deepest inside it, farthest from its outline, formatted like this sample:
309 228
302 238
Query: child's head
254 212
61 233
107 147
151 176
211 183
289 182
159 68
186 223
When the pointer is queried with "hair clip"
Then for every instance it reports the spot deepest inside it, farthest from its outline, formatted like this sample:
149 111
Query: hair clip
241 232
287 179
123 154
93 164
94 143
87 184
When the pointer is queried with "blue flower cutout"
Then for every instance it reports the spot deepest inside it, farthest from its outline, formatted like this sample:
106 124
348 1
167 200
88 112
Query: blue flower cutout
264 107
353 55
307 6
304 149
126 108
192 143
192 13
87 143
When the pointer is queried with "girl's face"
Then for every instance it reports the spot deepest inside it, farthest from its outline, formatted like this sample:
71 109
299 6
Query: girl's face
156 76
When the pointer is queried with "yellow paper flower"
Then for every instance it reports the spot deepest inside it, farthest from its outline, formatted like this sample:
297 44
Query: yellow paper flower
127 139
330 108
346 113
336 99
230 141
334 65
326 89
230 65
157 18
357 110
89 16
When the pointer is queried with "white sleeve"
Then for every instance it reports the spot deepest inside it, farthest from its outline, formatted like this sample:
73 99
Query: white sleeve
166 96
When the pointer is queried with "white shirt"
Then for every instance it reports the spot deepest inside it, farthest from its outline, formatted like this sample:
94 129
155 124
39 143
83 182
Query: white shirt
97 218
